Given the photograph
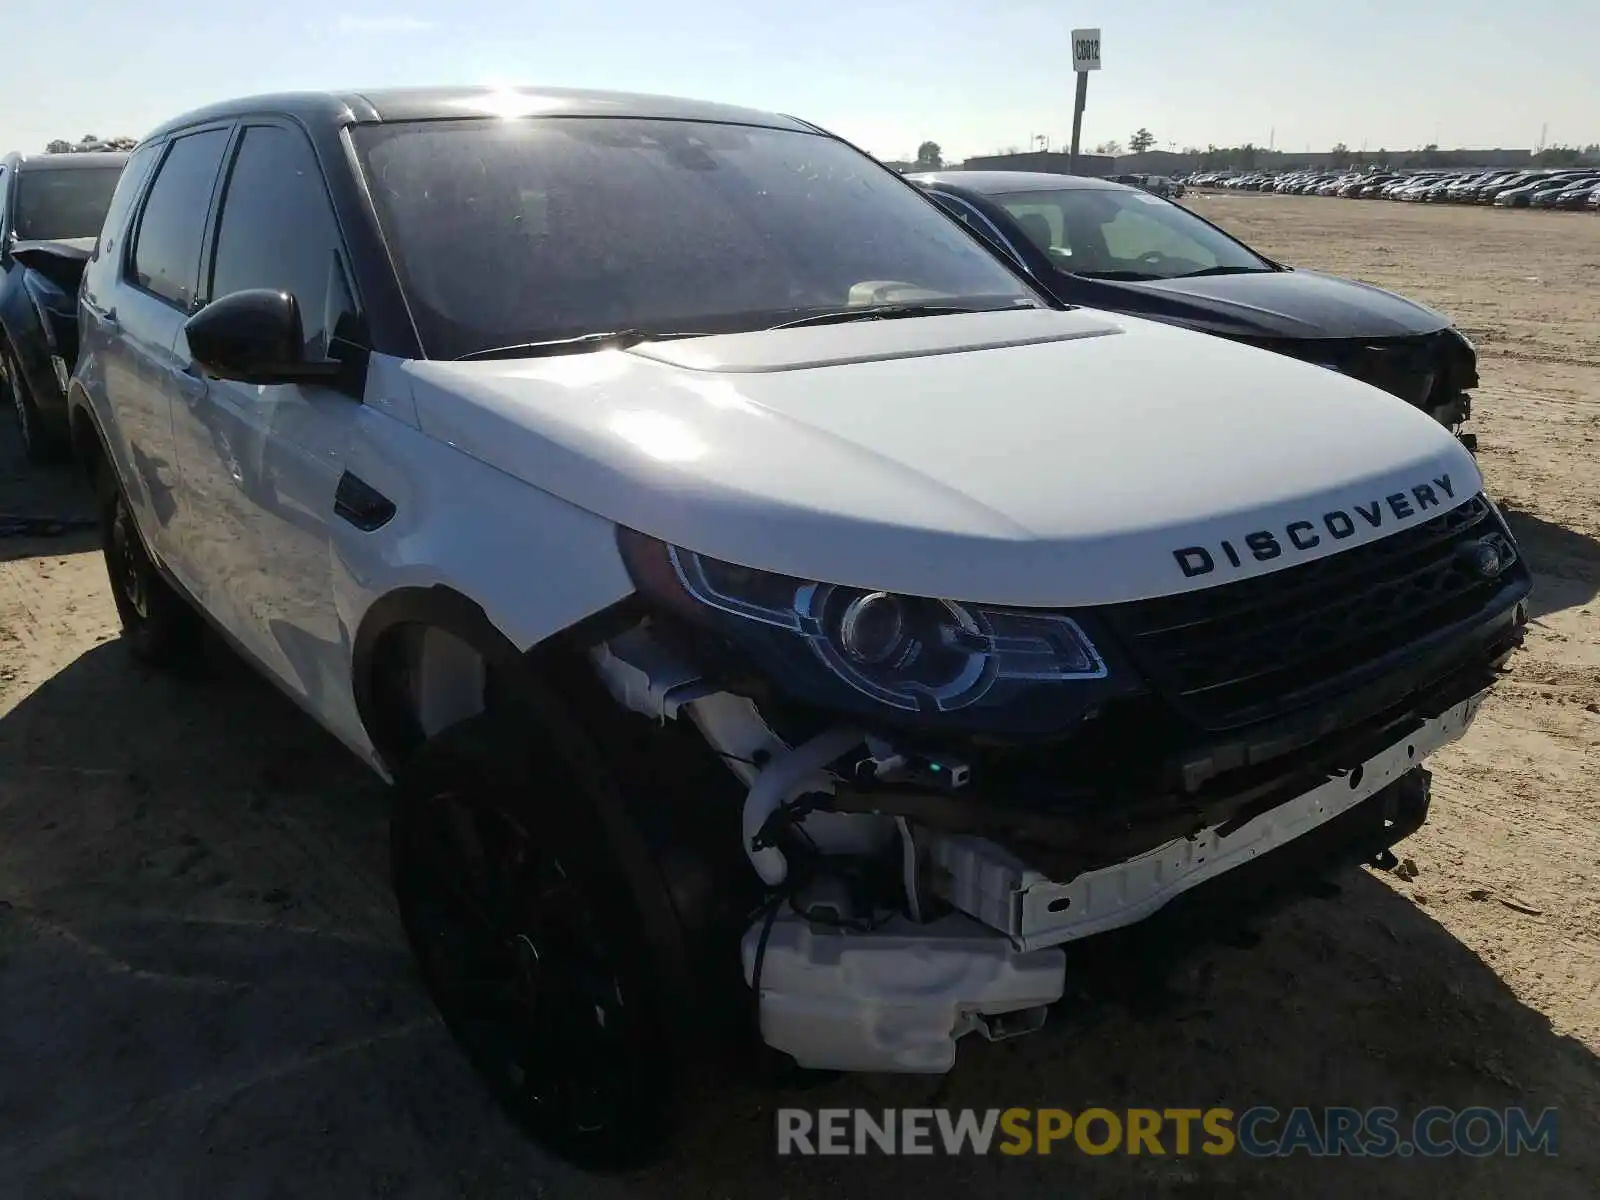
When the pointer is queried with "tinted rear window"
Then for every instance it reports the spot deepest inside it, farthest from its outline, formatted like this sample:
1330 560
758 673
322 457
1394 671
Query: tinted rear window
67 202
525 230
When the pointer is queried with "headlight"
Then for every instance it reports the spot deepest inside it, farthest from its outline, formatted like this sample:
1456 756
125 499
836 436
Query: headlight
871 649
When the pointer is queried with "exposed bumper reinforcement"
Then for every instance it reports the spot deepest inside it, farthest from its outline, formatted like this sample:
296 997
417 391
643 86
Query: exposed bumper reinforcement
988 882
898 998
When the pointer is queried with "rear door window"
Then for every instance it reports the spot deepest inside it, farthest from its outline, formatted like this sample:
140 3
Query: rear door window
166 250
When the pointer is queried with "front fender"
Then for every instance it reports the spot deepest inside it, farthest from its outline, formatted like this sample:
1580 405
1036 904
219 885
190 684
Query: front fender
532 563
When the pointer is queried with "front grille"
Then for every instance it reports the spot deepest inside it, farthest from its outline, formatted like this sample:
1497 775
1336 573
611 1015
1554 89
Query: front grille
1230 655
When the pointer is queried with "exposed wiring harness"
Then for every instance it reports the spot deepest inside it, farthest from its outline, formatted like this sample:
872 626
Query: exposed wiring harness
809 865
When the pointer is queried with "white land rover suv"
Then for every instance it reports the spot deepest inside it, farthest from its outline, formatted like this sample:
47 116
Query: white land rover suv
776 619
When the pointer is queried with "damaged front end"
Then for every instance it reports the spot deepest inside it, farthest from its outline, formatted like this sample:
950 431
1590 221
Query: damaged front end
1435 372
940 800
52 273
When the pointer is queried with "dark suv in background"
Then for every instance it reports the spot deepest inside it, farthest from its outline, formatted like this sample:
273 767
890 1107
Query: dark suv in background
51 208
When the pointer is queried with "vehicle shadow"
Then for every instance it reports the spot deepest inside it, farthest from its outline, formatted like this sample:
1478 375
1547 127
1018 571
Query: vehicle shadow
207 994
1566 563
44 510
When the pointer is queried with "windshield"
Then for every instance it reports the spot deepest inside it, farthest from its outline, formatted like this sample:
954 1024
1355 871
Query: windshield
67 202
1110 234
507 232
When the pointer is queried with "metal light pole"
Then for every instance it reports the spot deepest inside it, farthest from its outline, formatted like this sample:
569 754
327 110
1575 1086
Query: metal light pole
1085 58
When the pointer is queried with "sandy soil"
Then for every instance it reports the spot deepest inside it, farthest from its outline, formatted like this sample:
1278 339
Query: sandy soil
206 993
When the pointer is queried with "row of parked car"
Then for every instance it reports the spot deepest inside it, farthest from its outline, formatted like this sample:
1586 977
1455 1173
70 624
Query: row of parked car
1571 188
596 467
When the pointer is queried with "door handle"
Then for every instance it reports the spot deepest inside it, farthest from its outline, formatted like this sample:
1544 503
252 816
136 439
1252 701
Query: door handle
107 318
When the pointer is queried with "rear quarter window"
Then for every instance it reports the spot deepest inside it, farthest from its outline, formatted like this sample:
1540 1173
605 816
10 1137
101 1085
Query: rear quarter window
129 186
166 251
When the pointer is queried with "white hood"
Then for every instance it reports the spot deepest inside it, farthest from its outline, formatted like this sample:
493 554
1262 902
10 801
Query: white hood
1023 457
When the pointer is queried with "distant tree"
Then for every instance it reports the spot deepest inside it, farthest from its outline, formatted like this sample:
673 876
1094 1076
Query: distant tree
1557 156
1247 156
929 157
1110 149
1339 156
1141 141
89 142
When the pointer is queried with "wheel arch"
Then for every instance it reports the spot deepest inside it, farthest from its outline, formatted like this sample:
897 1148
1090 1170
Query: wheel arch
90 449
385 643
550 697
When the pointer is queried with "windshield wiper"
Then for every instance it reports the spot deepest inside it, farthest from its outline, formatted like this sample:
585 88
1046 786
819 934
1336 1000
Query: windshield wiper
890 312
1226 271
615 339
1120 276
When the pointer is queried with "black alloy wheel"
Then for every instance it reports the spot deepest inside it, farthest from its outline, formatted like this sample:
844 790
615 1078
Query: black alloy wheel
35 442
158 625
520 947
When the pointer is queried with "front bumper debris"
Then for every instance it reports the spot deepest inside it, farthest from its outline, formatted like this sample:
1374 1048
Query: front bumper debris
899 997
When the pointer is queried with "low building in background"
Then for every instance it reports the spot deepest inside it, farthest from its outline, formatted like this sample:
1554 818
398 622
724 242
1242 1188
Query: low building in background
1055 162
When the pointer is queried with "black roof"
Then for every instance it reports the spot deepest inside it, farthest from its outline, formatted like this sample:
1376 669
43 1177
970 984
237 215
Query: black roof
992 182
23 163
439 103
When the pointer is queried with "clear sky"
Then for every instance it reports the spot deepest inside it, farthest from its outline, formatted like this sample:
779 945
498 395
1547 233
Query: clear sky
973 75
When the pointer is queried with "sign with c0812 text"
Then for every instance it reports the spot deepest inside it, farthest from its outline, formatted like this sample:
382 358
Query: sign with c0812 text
1085 49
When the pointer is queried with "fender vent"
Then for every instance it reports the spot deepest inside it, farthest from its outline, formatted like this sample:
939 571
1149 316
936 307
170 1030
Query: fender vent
358 502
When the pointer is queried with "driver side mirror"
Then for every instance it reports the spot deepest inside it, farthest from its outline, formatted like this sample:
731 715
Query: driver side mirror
255 336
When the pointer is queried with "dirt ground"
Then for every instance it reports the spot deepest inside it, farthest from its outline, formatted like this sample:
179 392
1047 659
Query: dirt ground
206 994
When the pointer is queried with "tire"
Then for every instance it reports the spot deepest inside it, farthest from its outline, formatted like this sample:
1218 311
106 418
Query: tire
516 913
38 444
158 626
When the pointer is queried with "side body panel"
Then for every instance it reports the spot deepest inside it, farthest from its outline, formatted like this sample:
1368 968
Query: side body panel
535 563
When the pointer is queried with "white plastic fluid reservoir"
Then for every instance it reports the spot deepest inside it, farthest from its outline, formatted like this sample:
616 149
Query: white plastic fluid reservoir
893 999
